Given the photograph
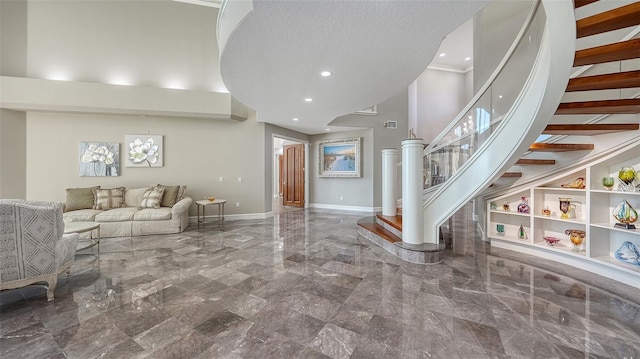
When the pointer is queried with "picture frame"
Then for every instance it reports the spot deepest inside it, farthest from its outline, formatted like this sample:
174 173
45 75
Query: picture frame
144 150
340 158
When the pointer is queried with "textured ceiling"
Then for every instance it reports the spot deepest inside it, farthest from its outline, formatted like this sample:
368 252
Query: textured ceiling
374 49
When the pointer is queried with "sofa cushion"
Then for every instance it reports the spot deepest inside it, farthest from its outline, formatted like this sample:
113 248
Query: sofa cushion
79 198
170 196
152 197
109 198
133 196
117 215
81 215
153 214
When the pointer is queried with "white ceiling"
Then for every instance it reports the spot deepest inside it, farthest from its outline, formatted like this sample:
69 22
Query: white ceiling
375 49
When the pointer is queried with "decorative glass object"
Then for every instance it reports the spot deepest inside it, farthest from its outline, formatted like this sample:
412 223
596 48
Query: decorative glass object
576 236
607 183
505 207
493 206
626 176
551 240
500 229
625 214
523 207
565 207
521 233
628 253
578 183
546 211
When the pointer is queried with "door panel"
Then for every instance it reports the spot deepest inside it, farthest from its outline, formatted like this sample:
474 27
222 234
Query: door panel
293 174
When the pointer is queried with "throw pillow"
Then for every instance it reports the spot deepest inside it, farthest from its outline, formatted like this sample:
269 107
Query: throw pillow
79 198
133 196
109 198
152 197
181 191
169 198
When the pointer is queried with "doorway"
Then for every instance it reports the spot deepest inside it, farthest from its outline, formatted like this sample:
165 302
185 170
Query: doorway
290 175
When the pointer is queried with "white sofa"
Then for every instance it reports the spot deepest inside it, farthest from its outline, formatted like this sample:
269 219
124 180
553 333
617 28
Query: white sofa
129 219
33 247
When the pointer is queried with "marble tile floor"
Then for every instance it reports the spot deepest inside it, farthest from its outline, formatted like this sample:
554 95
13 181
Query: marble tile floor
303 285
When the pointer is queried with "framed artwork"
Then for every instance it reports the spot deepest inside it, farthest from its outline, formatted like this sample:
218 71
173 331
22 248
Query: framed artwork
99 159
340 158
144 150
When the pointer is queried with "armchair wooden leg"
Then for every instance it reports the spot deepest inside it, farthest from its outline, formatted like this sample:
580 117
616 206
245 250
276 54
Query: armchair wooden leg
53 282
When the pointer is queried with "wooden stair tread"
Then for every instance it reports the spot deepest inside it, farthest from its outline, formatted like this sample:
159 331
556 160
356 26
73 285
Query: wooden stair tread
375 228
628 106
560 147
532 161
617 80
581 3
511 175
618 51
589 129
393 221
614 19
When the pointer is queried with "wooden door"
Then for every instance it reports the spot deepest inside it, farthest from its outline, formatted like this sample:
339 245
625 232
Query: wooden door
280 176
293 175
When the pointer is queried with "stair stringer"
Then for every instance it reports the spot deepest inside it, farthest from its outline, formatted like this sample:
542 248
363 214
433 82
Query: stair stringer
531 112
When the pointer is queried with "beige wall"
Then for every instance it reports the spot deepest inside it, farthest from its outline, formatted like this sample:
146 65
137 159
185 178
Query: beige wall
13 152
196 153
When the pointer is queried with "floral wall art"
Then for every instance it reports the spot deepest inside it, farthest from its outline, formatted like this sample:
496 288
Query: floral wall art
99 159
144 150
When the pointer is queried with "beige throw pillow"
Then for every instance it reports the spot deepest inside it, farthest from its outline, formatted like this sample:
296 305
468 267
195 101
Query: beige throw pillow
169 198
109 198
79 198
133 196
152 197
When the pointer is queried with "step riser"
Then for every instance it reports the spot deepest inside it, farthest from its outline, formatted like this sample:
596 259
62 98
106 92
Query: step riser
389 227
404 254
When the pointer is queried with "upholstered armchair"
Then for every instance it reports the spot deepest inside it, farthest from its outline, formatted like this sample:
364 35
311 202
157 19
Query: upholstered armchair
33 247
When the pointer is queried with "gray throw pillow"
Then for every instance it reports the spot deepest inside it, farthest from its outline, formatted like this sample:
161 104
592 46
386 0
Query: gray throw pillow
79 198
170 196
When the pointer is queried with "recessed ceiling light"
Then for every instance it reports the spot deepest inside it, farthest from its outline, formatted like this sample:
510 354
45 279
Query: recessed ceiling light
443 54
467 58
295 119
327 129
325 74
500 96
308 99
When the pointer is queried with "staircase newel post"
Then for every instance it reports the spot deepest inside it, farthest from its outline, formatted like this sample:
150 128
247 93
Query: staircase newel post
412 187
389 181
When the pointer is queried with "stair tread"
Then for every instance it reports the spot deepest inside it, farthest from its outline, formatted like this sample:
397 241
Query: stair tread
580 3
511 175
393 221
618 51
628 106
560 147
589 129
617 80
618 18
378 229
533 161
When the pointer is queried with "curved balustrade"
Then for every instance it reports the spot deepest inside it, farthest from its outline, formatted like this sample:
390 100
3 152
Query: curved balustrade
506 115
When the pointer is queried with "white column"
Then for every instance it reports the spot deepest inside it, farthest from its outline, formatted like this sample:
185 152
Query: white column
389 181
412 187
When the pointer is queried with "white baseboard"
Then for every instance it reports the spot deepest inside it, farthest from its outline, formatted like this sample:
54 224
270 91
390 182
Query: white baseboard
345 208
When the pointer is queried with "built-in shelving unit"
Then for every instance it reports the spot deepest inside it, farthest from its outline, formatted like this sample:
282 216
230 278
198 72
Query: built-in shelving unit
591 212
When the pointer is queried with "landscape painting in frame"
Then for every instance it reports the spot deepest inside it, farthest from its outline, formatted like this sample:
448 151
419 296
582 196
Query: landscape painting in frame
144 150
340 158
99 159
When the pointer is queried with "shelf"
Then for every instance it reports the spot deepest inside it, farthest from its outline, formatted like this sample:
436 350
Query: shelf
561 189
615 192
508 238
612 262
558 219
612 227
512 213
560 248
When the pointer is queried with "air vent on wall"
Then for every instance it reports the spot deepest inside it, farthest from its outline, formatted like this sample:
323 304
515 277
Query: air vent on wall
391 124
